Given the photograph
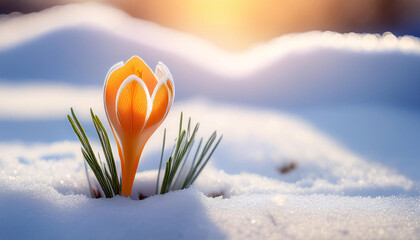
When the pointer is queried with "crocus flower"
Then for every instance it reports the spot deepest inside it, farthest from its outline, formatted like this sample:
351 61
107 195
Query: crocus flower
136 103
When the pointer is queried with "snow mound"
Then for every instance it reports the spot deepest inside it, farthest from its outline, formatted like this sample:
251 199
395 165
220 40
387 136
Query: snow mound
255 216
338 68
249 160
43 195
18 29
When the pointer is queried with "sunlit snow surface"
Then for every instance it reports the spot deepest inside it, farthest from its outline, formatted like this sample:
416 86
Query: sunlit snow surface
353 182
43 188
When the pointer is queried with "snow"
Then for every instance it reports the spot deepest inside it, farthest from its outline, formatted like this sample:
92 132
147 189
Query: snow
44 189
53 205
348 122
23 28
190 215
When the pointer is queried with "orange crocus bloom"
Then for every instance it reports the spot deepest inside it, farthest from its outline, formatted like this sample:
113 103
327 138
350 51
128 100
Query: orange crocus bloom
136 103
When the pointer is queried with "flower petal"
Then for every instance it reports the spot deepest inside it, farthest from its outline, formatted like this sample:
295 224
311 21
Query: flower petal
160 71
137 65
169 83
133 104
115 77
161 102
163 73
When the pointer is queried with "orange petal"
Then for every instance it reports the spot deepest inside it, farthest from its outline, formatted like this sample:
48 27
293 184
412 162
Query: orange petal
117 74
160 106
171 88
162 72
132 105
138 66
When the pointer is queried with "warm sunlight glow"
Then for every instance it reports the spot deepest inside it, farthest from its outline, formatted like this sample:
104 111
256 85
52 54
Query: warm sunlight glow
239 24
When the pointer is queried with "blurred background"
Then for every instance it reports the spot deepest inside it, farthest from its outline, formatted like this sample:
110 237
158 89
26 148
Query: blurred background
238 24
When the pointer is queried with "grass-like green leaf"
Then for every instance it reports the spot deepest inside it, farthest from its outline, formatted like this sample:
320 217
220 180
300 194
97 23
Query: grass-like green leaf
175 176
106 174
180 170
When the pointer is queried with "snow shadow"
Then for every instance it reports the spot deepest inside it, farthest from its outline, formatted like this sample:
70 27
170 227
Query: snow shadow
46 214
